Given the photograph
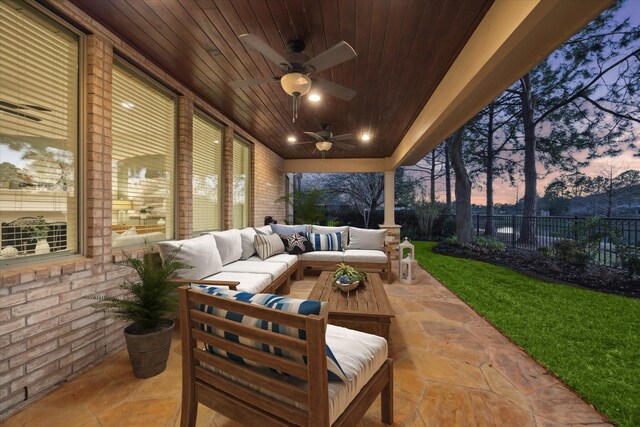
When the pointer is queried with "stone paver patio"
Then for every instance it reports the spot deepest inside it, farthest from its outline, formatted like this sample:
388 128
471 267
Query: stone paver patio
452 368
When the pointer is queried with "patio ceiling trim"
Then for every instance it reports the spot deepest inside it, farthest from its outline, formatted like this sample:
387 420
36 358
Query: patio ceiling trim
334 165
512 38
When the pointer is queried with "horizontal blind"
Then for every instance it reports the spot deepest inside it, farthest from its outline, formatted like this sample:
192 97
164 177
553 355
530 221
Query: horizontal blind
241 182
207 174
38 133
143 164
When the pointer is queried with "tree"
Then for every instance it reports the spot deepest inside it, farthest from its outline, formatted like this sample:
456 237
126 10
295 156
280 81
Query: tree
583 97
365 191
435 165
464 228
306 205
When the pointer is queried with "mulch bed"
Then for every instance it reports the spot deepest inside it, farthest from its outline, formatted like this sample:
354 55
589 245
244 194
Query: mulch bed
594 277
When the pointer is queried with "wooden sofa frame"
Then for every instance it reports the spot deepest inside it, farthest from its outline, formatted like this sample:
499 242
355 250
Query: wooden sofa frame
246 405
371 267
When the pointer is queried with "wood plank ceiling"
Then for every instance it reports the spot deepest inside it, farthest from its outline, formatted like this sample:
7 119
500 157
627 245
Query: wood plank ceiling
404 49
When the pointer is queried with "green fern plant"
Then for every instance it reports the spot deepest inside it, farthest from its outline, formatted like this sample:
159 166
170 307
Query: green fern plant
150 297
354 274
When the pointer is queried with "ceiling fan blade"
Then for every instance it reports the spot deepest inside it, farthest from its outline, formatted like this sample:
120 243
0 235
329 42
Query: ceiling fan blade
334 89
259 45
253 82
344 146
342 137
314 135
335 55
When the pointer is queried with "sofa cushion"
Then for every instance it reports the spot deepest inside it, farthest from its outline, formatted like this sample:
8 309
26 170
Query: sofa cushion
326 242
247 236
265 230
289 229
229 245
365 255
322 256
289 305
362 238
199 252
249 282
324 230
274 269
288 260
296 243
267 246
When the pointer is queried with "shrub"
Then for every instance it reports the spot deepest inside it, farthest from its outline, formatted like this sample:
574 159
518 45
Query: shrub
489 243
545 251
453 240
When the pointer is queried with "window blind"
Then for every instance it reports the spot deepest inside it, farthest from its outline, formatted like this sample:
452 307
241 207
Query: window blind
207 174
241 182
143 164
38 134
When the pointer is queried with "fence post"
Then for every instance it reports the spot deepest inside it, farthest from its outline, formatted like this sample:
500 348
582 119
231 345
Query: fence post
477 224
575 228
513 231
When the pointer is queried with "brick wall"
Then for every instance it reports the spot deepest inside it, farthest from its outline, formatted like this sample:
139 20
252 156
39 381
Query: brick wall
48 331
268 184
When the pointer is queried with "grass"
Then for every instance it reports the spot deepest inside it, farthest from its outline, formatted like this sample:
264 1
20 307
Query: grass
588 339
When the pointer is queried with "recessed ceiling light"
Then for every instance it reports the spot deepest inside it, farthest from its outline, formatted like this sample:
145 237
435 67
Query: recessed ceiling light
213 51
292 139
127 104
365 137
314 97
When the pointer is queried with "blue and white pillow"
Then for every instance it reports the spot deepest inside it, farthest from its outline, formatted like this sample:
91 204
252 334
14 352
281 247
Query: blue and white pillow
325 242
289 305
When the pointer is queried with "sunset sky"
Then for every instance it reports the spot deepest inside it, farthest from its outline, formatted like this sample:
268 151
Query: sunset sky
504 192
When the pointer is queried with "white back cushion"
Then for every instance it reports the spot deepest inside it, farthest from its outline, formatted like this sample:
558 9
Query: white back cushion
199 252
361 238
247 235
265 230
229 244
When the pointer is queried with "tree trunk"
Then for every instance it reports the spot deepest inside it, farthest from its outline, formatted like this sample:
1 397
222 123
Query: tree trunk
488 227
528 229
447 175
464 226
610 197
433 177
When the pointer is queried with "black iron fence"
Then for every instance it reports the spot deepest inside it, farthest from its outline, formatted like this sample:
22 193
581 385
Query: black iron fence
546 231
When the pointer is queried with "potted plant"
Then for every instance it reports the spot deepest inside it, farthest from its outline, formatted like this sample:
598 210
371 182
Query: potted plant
40 231
347 278
149 303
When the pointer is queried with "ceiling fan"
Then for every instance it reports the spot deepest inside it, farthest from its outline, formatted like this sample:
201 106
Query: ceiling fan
297 67
324 139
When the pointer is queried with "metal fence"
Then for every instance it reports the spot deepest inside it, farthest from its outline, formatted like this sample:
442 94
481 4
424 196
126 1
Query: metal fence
547 230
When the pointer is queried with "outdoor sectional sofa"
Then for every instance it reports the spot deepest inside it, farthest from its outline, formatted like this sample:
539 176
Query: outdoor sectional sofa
229 257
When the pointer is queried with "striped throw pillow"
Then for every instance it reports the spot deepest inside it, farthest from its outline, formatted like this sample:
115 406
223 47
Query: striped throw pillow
267 245
325 242
290 305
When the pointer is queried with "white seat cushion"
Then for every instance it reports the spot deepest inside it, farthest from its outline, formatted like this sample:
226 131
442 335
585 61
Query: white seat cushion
249 282
334 256
274 269
365 255
287 259
359 354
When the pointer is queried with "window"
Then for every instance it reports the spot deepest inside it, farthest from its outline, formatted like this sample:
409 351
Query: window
38 134
207 174
241 182
142 161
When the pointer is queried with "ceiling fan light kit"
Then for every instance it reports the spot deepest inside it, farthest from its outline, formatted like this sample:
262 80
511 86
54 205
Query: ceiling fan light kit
297 66
323 145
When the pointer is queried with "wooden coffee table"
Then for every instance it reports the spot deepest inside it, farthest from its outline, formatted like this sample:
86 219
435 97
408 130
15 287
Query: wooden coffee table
365 309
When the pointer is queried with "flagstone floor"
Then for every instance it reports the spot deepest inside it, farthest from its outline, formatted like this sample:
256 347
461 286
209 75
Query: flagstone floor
452 368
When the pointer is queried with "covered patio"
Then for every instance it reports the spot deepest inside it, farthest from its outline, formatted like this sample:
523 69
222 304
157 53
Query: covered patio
128 183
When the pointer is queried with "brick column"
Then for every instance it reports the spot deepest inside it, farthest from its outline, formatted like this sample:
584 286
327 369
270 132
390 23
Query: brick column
185 167
98 161
227 178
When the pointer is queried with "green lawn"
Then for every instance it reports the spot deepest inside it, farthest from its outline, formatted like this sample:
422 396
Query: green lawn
589 339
